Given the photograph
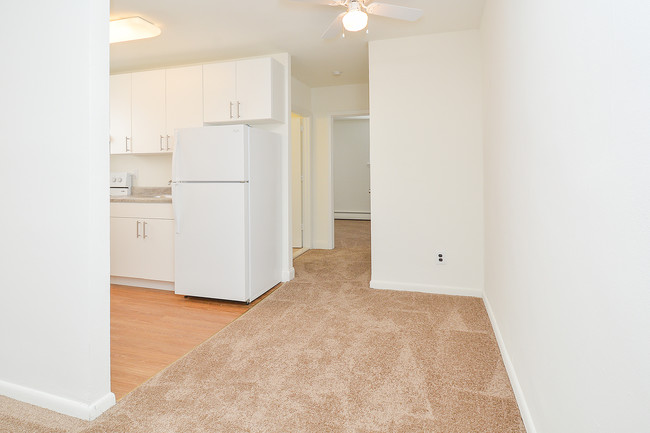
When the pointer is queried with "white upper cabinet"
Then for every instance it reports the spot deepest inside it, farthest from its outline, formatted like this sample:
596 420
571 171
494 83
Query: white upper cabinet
219 91
184 101
259 89
148 112
146 108
120 113
243 91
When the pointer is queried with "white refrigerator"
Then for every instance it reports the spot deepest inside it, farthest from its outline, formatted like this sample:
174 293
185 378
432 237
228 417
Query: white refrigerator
226 194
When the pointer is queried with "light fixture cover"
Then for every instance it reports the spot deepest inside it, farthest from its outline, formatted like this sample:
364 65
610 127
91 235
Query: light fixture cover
130 29
355 20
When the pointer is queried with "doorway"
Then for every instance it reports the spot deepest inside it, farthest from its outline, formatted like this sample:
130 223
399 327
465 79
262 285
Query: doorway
300 234
351 167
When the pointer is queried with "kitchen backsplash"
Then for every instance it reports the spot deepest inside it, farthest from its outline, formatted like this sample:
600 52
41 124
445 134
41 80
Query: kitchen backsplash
147 170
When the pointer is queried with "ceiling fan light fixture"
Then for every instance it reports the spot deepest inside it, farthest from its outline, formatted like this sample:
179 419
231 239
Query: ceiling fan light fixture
353 21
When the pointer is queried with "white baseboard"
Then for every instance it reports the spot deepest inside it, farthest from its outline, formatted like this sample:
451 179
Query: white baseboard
148 284
288 275
352 216
426 288
53 402
321 245
300 252
512 374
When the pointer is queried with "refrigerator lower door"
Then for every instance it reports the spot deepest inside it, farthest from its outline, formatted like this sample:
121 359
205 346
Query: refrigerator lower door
211 244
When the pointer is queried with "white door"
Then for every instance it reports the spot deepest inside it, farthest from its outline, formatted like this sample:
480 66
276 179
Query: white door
219 91
120 113
211 240
184 101
148 118
212 153
296 180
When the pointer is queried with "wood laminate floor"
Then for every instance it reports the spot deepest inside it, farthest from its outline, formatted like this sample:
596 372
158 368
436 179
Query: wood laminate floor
150 329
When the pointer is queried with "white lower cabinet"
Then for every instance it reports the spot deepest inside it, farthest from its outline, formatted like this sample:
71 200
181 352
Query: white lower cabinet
142 248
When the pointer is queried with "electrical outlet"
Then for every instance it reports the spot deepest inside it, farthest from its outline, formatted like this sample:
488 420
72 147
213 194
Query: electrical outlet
441 258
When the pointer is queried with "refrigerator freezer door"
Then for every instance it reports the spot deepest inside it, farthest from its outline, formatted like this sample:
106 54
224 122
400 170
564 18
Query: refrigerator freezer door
211 154
212 240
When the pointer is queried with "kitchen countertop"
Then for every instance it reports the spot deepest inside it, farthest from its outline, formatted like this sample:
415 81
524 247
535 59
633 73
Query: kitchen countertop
145 194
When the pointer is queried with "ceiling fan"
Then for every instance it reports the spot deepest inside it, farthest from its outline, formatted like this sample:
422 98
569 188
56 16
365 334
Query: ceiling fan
356 16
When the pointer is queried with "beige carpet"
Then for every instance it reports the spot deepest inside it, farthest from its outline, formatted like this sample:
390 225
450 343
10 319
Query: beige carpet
323 353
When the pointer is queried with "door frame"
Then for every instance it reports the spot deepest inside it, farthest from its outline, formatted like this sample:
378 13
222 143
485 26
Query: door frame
332 118
306 122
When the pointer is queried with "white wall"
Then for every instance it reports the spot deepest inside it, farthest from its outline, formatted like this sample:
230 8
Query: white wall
326 102
300 97
54 254
567 187
150 170
426 163
351 156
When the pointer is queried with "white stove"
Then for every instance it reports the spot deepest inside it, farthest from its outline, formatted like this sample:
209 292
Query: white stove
120 183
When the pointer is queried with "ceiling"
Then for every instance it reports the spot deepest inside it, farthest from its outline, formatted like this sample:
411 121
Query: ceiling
195 31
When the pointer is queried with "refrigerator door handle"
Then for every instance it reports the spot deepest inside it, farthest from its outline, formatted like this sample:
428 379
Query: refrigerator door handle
174 162
176 204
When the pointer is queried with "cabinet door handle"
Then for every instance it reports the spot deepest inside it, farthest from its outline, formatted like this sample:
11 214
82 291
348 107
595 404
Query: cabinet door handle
167 142
161 145
231 109
137 229
126 144
238 116
144 230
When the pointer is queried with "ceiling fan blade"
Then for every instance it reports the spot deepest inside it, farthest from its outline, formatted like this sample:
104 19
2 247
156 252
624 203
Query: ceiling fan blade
394 11
322 2
335 28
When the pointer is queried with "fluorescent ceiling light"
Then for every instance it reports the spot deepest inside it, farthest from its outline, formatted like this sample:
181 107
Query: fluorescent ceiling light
130 29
